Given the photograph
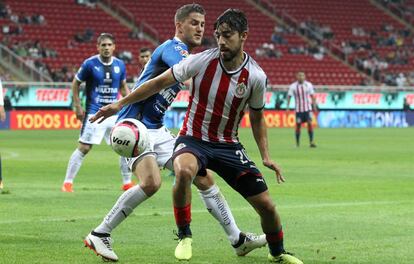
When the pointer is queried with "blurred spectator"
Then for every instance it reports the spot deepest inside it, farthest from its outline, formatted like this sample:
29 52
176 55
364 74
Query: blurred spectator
136 33
401 81
125 55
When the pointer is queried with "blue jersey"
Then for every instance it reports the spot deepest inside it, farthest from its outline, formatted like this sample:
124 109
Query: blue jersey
151 111
103 81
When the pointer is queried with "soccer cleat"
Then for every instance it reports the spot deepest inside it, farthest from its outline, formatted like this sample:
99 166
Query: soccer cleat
250 243
183 251
102 246
312 145
127 186
67 187
284 258
1 185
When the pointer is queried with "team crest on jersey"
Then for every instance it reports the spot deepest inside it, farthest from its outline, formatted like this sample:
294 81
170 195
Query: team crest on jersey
117 69
241 90
184 53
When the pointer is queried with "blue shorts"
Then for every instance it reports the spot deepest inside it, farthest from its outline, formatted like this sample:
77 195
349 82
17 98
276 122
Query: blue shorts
229 161
303 117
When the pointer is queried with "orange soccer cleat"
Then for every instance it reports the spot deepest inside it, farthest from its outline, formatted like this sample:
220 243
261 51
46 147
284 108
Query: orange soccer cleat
67 187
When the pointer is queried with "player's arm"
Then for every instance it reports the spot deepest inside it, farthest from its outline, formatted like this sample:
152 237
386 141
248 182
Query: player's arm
288 102
144 91
124 88
260 135
76 100
314 104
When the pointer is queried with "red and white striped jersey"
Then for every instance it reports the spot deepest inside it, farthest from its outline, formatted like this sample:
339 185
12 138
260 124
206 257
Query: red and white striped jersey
302 94
218 97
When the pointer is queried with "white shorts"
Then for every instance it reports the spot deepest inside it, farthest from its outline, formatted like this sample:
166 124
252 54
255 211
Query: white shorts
161 148
93 133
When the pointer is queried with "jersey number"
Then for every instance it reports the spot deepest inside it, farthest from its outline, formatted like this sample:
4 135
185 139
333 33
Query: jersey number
243 156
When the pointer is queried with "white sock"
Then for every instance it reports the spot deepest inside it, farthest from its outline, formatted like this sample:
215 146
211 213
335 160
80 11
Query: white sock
125 172
126 203
217 205
75 162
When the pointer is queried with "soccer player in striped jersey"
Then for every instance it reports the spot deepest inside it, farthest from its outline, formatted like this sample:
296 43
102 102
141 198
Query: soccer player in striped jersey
189 32
105 77
225 81
303 93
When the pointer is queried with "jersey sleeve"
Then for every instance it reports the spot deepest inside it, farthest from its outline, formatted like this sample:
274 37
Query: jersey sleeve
291 90
123 72
257 99
189 67
174 54
311 89
83 71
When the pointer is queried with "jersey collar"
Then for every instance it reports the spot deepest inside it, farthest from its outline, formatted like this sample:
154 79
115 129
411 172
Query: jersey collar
106 63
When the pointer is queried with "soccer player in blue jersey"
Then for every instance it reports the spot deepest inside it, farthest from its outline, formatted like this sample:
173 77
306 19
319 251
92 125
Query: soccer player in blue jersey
189 22
105 78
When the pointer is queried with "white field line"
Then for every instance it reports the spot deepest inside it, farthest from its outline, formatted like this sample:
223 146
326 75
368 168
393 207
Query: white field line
137 212
5 155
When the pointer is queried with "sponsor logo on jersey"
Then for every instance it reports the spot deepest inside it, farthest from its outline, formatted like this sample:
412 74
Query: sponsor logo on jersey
241 90
117 69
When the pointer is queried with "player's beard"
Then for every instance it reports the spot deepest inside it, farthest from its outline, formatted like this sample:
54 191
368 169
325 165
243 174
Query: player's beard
229 55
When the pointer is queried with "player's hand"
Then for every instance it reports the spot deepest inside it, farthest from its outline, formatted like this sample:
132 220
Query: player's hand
80 114
105 112
273 166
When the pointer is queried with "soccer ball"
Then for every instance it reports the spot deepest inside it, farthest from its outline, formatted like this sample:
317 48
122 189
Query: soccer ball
129 138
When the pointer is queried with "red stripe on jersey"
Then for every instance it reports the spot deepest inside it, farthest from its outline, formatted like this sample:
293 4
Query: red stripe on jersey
204 90
218 106
184 129
228 131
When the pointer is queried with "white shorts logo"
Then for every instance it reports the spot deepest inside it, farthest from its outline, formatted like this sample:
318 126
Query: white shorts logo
180 146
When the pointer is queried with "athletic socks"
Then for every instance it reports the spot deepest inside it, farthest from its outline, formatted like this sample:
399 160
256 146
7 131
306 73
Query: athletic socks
297 136
275 242
217 205
126 203
74 165
125 172
310 132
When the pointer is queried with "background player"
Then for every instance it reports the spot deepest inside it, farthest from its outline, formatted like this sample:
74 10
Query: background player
2 119
189 32
105 77
144 56
225 80
305 101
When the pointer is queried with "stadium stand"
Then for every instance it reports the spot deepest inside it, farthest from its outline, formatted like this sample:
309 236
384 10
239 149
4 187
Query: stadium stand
280 70
58 31
369 38
365 35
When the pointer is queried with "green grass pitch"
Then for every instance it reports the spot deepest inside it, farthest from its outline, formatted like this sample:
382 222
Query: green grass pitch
349 201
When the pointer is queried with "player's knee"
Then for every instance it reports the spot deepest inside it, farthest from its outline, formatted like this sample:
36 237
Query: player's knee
150 187
204 182
150 184
184 174
84 148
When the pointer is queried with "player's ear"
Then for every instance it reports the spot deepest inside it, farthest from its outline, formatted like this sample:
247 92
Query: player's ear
244 35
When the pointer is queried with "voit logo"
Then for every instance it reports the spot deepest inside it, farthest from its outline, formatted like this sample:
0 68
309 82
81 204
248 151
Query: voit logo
122 142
